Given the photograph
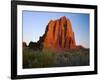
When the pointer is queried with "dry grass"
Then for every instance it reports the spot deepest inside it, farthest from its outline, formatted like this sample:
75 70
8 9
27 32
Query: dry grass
48 58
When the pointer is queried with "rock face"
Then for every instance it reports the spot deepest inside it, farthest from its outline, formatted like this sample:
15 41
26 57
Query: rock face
24 44
59 35
35 46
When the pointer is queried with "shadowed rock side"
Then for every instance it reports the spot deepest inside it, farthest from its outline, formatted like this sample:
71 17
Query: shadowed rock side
35 46
24 44
58 35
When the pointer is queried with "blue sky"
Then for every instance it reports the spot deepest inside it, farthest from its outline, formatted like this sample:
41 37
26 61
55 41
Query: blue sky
34 24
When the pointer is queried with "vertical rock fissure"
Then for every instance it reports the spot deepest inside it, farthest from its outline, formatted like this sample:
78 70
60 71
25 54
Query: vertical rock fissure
65 31
54 28
60 34
70 42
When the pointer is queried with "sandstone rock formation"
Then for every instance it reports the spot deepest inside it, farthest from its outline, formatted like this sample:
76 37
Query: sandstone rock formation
24 44
35 46
59 35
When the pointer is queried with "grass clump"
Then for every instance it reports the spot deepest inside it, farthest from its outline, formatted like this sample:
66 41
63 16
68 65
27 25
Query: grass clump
47 58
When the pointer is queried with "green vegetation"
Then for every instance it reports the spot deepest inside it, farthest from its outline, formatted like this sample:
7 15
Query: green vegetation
47 58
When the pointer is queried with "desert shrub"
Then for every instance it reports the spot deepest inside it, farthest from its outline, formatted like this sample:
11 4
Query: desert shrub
47 58
35 59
